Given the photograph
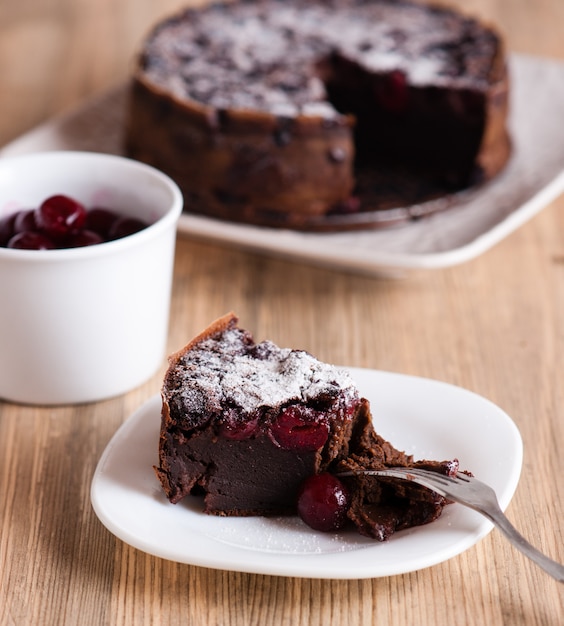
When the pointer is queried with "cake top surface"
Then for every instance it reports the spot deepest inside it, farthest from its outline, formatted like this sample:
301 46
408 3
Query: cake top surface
227 369
259 55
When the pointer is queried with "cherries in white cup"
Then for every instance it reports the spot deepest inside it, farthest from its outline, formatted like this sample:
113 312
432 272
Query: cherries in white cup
82 322
62 222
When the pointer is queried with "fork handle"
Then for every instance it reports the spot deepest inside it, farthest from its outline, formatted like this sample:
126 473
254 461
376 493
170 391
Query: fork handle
556 570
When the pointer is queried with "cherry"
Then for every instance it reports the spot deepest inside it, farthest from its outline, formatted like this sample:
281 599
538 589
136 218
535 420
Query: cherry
62 222
29 240
323 502
299 428
100 220
60 215
125 226
83 238
7 228
24 221
233 427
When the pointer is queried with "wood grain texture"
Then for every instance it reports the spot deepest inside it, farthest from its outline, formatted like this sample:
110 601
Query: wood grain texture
494 325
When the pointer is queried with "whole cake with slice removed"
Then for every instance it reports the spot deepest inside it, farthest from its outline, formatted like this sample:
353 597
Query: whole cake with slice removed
246 424
320 114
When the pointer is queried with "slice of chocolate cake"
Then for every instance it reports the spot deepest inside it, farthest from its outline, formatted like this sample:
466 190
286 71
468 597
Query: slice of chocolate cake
245 424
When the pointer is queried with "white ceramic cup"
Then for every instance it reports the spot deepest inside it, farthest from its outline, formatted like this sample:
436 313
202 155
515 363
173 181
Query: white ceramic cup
84 324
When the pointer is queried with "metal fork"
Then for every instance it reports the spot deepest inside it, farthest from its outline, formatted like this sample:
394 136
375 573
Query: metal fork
478 496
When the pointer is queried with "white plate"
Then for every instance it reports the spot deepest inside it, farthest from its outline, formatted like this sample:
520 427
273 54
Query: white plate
533 178
426 418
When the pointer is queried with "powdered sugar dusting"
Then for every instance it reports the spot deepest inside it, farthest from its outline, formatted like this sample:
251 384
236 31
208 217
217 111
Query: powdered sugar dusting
229 370
282 535
261 55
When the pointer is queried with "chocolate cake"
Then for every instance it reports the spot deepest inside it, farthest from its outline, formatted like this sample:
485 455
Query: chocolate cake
245 423
316 114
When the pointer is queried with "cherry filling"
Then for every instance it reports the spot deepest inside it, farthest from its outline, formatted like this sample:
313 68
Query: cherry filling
233 427
392 92
63 222
299 428
323 502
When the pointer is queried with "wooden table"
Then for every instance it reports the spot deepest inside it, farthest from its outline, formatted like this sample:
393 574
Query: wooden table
494 325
